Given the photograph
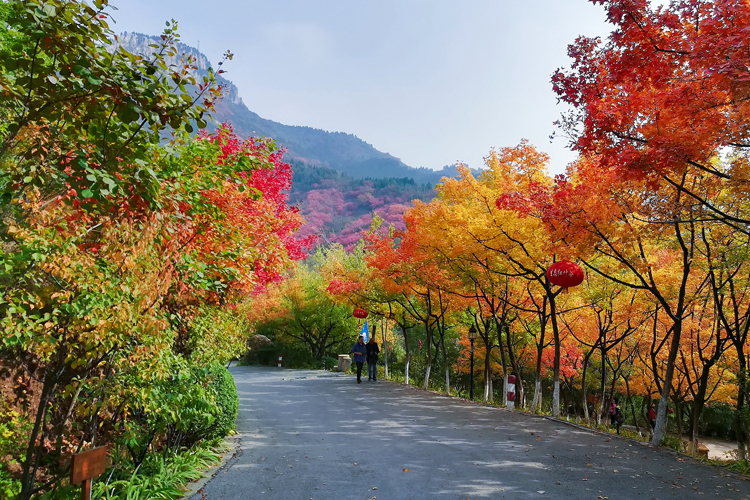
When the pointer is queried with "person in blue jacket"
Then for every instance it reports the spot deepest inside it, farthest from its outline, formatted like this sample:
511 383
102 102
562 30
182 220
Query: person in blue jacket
359 350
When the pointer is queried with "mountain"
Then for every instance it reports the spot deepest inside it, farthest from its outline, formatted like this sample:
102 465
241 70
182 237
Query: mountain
340 181
337 150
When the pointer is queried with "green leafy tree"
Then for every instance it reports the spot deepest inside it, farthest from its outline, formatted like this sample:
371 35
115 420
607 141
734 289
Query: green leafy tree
308 317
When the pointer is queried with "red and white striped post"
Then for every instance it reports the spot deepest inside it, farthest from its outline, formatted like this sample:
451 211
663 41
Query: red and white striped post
279 360
511 392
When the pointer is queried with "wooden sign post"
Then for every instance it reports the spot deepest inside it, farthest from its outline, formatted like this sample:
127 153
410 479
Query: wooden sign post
86 466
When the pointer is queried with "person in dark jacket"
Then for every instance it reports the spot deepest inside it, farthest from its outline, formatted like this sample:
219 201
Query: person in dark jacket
359 350
616 416
652 417
372 359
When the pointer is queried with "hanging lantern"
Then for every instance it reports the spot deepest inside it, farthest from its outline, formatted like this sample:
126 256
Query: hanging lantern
565 274
359 313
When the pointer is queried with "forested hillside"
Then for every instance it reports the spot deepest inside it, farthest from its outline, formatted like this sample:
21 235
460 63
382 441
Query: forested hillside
340 181
338 207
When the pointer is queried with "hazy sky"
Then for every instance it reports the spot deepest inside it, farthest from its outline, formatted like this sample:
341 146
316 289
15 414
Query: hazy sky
430 81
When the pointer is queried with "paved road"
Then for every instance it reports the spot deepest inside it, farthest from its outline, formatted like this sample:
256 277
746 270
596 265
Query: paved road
308 434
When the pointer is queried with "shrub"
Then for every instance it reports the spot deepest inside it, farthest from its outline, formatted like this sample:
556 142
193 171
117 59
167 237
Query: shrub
181 409
13 427
674 442
718 421
227 402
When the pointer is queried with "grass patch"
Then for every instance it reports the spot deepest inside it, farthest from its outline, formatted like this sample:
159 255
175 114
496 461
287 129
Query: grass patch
159 477
739 466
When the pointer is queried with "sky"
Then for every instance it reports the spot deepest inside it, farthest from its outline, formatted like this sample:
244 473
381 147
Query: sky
431 82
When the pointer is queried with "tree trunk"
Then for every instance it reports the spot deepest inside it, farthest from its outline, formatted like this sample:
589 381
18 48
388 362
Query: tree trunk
520 393
660 429
487 388
447 367
603 391
30 464
429 357
556 371
678 417
536 403
632 406
499 329
739 427
385 348
699 402
583 386
404 330
572 402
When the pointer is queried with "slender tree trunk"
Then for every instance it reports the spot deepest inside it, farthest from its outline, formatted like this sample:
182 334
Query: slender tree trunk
30 464
678 417
572 398
612 386
520 393
739 427
536 403
447 367
632 406
487 388
429 357
699 401
660 429
385 348
583 385
603 391
556 370
499 329
404 330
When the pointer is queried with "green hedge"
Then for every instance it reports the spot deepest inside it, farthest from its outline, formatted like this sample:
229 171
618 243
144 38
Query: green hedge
227 402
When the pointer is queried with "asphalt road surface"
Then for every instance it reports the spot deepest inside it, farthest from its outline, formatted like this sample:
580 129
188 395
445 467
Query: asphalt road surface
316 435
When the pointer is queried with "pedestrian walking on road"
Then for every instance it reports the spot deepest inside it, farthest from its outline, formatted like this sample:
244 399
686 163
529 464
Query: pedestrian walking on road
615 415
652 416
359 350
372 359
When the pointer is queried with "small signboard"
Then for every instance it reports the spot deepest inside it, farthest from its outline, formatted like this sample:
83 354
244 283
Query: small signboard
86 466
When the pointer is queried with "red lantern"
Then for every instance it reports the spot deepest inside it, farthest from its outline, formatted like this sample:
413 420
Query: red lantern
359 313
565 274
